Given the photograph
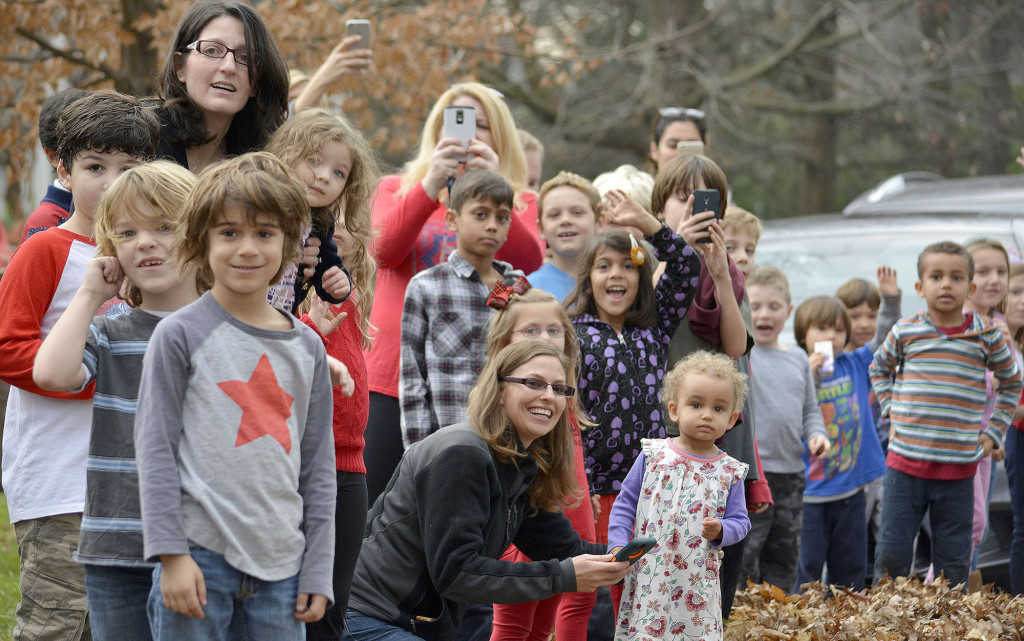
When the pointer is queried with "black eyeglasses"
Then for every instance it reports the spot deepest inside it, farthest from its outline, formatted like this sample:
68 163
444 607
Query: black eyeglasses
214 49
675 112
555 331
538 385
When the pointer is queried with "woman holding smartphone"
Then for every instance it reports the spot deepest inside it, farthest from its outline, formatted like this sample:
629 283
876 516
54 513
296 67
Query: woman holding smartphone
409 219
676 129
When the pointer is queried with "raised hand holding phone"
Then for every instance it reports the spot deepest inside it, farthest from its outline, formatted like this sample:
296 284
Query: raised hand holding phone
706 200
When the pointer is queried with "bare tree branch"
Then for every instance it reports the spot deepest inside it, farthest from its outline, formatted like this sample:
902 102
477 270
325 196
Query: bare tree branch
72 56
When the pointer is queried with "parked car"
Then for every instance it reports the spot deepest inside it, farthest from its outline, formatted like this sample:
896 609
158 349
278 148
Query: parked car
890 225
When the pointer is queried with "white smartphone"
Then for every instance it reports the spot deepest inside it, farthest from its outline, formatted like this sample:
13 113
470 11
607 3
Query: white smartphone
460 122
825 347
359 28
690 148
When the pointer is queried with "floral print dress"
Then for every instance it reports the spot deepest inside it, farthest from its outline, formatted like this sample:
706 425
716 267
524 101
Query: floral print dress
673 591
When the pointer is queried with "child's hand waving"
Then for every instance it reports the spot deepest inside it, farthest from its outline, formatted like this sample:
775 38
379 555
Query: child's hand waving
623 211
318 309
887 281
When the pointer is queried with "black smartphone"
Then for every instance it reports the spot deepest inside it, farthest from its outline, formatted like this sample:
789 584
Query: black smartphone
706 200
635 549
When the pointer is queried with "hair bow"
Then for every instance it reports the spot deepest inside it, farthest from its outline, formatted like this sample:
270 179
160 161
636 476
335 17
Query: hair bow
499 298
636 253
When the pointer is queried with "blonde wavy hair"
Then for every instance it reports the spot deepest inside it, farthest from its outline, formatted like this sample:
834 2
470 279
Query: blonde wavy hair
259 184
161 187
302 137
511 159
555 483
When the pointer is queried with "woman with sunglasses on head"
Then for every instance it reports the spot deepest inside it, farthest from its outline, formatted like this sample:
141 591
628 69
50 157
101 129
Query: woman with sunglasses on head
409 219
676 129
223 87
434 539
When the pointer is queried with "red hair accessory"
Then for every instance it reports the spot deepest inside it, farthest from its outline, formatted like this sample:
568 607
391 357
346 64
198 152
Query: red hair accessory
502 293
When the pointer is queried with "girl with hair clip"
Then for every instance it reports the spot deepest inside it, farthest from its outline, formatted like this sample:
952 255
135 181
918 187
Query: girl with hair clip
338 167
1014 442
335 162
675 126
409 218
624 325
223 87
534 314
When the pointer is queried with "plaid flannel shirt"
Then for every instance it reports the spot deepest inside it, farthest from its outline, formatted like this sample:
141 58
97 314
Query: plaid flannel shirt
443 344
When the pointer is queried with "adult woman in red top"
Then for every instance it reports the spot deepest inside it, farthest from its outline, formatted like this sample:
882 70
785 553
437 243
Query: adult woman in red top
408 217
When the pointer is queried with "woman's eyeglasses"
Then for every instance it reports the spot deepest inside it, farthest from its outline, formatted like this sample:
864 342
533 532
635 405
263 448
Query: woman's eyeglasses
555 331
214 49
538 385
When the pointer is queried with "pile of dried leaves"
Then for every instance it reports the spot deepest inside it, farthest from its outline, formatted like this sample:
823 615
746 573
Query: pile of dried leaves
903 609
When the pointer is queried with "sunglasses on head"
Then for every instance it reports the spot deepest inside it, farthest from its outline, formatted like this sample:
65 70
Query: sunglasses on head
675 112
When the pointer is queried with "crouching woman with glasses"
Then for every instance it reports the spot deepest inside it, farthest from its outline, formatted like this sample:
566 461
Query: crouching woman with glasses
434 538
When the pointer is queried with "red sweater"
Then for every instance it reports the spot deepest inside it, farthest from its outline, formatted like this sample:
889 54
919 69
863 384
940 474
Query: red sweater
350 413
412 236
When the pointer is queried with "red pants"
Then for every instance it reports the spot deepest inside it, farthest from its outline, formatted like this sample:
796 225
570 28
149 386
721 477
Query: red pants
567 613
607 500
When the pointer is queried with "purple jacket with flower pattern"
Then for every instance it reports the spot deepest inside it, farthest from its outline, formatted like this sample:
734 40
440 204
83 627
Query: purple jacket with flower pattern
620 377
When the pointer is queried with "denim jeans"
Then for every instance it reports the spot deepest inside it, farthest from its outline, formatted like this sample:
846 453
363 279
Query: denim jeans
117 602
836 533
1015 477
364 628
950 506
238 606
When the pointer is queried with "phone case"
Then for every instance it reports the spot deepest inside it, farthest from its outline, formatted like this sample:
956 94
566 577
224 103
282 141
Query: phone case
359 28
635 549
460 122
706 200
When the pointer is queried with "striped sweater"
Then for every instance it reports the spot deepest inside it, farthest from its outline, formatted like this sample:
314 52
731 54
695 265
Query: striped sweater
932 386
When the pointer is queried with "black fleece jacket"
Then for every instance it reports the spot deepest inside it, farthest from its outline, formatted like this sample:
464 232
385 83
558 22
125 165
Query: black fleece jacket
434 538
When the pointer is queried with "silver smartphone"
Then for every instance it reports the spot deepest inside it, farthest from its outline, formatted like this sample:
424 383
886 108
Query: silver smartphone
460 122
359 28
690 148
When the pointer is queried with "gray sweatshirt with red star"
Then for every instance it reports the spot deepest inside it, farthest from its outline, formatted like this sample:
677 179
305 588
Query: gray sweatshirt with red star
234 445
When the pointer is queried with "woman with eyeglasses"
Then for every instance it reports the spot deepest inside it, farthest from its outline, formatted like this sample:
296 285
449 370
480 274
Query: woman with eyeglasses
409 219
435 538
223 87
676 130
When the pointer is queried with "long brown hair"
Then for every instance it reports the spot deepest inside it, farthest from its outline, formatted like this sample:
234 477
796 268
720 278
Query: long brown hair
555 484
643 313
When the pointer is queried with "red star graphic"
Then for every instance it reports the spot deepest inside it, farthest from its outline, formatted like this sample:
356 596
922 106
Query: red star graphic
265 406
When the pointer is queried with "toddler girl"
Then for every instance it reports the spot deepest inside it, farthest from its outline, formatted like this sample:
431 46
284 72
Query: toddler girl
319 146
624 325
537 315
688 495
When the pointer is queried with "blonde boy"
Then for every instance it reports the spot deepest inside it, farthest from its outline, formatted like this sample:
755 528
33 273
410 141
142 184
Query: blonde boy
233 429
45 442
742 231
135 224
787 418
569 210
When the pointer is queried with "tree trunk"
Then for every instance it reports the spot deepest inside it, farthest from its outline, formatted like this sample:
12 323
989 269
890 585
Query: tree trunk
817 133
139 61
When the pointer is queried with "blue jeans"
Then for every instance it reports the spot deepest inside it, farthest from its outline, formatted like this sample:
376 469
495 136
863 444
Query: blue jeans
1015 476
950 506
238 606
835 533
117 602
364 628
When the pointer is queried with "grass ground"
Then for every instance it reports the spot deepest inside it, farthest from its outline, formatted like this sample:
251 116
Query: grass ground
9 593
